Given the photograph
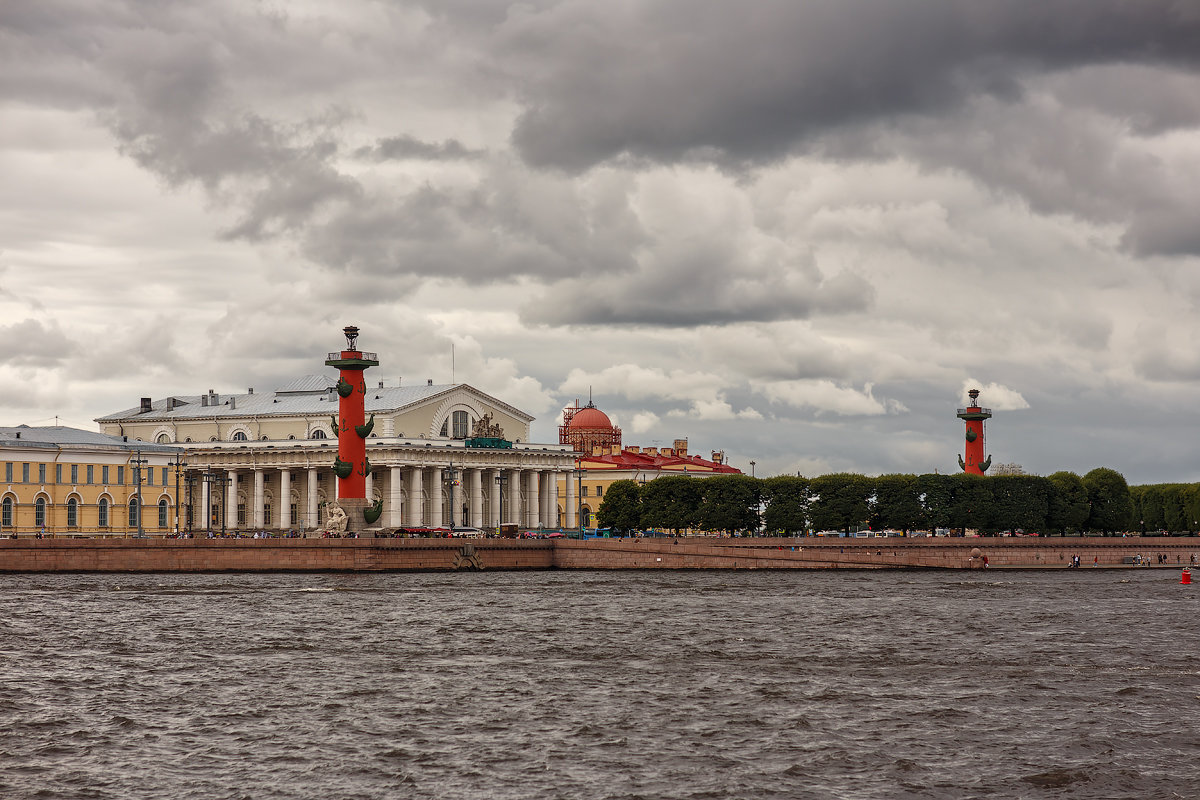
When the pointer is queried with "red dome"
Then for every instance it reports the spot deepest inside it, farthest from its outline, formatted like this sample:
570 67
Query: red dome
589 417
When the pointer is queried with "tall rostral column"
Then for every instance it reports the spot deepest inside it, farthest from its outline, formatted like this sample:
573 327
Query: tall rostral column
973 415
351 464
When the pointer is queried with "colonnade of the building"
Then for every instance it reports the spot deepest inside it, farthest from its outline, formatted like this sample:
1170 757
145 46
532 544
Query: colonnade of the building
434 497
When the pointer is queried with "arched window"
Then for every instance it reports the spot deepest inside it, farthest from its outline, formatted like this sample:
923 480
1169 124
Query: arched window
39 512
240 436
102 512
319 434
133 512
445 431
164 439
72 513
6 512
461 424
162 513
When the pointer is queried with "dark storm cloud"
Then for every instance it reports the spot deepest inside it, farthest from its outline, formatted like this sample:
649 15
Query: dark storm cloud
402 147
669 79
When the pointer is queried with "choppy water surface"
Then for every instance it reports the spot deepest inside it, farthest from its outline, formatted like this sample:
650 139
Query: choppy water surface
600 685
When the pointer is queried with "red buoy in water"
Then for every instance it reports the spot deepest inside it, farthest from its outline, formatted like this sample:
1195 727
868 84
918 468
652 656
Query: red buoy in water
1186 577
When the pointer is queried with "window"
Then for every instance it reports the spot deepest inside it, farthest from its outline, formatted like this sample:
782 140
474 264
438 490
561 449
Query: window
72 513
39 512
583 491
74 474
6 512
240 436
24 473
121 476
104 475
162 513
133 512
318 434
58 473
164 476
461 424
41 473
267 514
149 476
102 512
164 439
241 517
599 491
91 474
8 472
445 431
292 508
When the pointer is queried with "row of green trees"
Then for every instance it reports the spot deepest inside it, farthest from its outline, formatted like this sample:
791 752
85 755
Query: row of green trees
1100 501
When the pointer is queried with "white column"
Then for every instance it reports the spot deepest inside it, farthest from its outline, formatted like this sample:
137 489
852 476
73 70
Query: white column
231 520
204 523
416 497
477 498
555 522
435 495
370 488
571 507
258 520
454 502
285 500
494 516
532 503
312 499
394 496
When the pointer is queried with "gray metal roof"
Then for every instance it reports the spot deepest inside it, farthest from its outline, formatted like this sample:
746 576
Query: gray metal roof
297 398
64 437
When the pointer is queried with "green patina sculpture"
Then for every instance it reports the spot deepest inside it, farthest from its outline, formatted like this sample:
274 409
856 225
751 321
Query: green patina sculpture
342 468
344 389
364 431
371 514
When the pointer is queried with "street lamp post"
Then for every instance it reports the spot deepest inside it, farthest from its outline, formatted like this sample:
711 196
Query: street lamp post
137 474
216 479
178 464
450 477
501 480
752 463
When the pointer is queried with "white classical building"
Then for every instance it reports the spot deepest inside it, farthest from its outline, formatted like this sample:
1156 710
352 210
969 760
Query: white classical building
264 461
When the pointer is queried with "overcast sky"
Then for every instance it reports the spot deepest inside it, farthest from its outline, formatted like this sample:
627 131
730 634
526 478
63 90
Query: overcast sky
794 231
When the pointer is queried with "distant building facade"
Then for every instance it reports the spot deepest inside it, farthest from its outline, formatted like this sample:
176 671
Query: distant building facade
440 455
603 459
64 481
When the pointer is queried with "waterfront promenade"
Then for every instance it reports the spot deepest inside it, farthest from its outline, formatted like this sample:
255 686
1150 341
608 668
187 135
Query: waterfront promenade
433 555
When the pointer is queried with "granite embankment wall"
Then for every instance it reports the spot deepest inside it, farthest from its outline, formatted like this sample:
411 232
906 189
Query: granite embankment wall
373 555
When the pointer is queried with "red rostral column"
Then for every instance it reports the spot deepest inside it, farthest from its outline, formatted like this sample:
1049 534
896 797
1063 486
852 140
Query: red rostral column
351 464
975 464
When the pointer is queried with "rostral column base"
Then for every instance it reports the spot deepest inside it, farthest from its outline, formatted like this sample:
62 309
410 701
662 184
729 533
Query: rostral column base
354 506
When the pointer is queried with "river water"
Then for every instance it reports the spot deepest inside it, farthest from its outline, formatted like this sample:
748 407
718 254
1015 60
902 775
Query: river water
1064 683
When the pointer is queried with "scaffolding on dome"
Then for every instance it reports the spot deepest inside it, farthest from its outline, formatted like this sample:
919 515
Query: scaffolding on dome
585 438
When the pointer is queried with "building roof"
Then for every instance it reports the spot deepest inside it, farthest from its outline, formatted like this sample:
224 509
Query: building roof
311 394
652 462
61 437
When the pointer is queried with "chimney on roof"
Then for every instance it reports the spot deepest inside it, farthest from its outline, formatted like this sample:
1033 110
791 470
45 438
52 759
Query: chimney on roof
429 381
146 405
232 402
214 399
634 449
681 447
250 390
651 451
18 434
381 384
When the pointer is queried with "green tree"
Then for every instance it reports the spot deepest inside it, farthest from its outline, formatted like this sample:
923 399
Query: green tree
1067 506
1019 502
729 503
839 501
786 497
971 503
897 503
621 508
936 493
670 502
1111 505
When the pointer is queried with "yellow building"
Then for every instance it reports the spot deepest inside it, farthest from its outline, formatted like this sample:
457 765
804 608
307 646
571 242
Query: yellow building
603 459
61 481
